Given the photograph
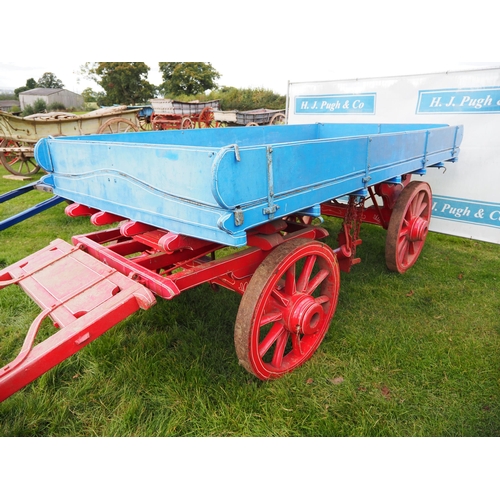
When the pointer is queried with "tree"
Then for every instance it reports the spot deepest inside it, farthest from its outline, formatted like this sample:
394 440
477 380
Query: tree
123 82
50 81
7 96
248 98
187 77
39 106
30 84
90 95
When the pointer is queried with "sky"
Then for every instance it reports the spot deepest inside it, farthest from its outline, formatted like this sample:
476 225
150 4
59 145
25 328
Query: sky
262 44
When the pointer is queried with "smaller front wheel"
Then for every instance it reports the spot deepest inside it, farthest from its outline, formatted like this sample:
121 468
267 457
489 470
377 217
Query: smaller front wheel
408 226
287 308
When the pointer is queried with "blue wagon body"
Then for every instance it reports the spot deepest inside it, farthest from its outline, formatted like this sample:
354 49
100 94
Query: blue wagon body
215 184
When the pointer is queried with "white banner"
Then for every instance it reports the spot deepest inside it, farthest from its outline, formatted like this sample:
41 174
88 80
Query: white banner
466 195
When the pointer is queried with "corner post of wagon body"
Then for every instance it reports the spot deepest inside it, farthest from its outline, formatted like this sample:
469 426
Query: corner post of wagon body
271 206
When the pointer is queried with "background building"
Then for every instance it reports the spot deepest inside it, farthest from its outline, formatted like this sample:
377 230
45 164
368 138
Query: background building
8 104
65 97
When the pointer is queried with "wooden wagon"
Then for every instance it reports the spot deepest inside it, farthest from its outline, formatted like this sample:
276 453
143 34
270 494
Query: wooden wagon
18 136
252 118
169 114
179 197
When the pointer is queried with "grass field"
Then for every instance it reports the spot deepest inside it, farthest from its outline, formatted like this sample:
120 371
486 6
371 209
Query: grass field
406 355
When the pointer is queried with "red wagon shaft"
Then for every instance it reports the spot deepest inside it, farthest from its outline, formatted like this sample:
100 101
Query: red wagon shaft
83 297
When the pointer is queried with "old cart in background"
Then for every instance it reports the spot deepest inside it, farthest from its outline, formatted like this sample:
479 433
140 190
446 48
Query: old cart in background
181 196
252 118
170 114
18 136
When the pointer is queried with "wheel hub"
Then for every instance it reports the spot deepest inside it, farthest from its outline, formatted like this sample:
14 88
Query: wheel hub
418 229
306 315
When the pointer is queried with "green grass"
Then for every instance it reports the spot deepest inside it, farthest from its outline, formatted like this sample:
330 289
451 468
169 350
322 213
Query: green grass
406 355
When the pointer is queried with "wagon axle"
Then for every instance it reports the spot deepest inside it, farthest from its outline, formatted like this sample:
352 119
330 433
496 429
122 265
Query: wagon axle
304 315
417 229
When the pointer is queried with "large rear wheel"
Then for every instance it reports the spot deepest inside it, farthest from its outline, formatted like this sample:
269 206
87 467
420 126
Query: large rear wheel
287 308
206 118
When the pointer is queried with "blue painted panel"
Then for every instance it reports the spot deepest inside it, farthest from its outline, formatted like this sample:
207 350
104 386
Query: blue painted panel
194 182
481 213
351 104
451 101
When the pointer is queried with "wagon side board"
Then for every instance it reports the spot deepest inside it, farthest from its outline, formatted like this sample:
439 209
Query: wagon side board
208 188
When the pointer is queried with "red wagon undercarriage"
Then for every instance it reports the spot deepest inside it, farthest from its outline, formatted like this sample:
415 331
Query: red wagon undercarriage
289 280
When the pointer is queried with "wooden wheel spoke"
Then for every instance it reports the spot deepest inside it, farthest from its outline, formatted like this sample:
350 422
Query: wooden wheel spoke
420 204
322 299
290 285
270 318
413 248
276 331
279 350
317 280
403 249
403 234
306 273
280 297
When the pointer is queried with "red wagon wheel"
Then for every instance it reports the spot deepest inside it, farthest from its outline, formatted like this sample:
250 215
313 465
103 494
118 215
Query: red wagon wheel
408 226
19 163
8 158
287 307
206 117
187 123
